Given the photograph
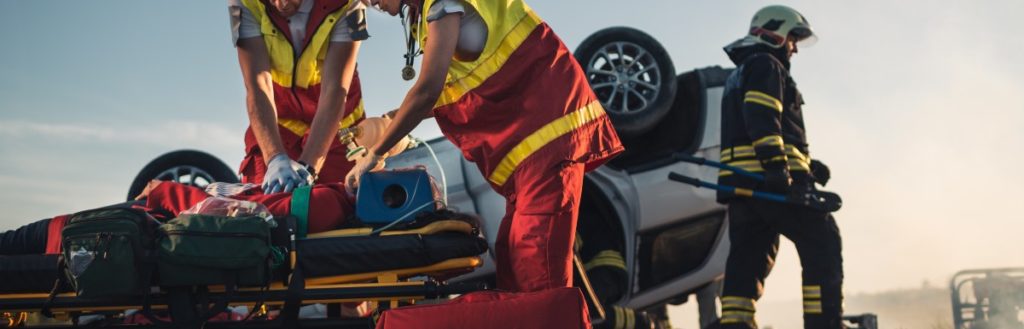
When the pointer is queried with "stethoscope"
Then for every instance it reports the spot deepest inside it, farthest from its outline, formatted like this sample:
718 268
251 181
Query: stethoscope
412 32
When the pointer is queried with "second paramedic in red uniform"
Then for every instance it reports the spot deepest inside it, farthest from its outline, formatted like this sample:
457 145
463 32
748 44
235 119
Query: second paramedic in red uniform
505 90
298 60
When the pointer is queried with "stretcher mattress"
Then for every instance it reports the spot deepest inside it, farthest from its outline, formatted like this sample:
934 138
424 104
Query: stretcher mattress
319 257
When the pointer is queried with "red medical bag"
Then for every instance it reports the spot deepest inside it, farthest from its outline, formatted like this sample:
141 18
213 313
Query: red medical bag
561 308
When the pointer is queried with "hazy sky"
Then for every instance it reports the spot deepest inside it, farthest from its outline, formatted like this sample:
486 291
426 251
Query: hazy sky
915 105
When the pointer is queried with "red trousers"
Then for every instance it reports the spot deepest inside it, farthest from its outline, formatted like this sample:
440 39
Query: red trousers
534 245
254 166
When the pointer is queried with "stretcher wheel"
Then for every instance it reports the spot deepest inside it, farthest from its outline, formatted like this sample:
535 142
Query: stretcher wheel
631 74
189 167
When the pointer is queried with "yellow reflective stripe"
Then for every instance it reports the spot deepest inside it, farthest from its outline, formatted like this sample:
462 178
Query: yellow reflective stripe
812 289
791 150
748 165
812 295
620 321
278 48
742 303
758 97
310 61
798 165
542 137
738 317
609 258
769 140
455 88
778 158
744 192
812 307
356 114
299 127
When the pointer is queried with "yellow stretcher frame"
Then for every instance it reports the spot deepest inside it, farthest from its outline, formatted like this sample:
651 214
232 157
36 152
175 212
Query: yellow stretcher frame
383 279
396 278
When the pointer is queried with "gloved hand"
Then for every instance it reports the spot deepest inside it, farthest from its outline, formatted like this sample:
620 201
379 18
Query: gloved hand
777 179
820 172
284 175
364 164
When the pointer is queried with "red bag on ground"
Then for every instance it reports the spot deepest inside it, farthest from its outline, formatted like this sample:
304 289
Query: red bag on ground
561 308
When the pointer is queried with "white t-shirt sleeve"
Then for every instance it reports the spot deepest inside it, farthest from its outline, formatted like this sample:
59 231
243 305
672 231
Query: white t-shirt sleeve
351 27
243 23
441 8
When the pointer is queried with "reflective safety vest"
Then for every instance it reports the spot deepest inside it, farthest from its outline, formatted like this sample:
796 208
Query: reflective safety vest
524 101
296 81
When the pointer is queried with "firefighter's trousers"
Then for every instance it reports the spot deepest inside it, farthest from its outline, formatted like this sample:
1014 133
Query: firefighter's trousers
754 229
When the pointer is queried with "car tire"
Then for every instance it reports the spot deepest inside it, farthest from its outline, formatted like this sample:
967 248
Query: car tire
631 74
188 167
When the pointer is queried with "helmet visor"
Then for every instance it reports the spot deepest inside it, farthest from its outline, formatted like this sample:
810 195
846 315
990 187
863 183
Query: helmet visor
804 37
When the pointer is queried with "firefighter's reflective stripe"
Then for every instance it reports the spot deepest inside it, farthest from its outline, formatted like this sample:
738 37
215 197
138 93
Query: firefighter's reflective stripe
812 306
625 318
737 309
543 136
744 158
812 292
770 140
610 258
738 303
300 128
812 299
738 317
746 151
758 97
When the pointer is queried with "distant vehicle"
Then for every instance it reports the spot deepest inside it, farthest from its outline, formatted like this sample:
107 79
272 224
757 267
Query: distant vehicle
673 236
988 299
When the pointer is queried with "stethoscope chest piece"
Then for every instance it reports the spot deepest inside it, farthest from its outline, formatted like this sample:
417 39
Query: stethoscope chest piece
408 73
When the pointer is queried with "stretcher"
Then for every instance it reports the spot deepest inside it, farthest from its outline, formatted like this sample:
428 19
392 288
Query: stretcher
339 266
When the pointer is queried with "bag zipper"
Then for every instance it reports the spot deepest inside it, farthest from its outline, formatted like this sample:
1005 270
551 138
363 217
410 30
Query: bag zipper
216 234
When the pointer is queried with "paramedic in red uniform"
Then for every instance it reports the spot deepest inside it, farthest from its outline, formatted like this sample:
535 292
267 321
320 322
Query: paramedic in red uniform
298 61
505 90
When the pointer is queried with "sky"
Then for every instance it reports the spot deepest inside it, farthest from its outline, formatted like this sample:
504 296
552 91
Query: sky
915 105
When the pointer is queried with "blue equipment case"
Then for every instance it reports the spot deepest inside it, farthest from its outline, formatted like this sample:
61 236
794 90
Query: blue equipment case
386 196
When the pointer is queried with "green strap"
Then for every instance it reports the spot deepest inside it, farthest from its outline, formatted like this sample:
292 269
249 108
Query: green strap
300 209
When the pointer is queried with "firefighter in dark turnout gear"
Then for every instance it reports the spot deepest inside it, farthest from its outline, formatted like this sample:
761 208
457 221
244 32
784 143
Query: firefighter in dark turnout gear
763 131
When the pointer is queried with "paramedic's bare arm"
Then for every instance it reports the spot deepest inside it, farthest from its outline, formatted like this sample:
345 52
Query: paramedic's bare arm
419 102
259 95
339 66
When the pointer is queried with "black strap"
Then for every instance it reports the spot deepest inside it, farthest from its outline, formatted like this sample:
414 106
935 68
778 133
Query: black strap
296 283
293 299
56 287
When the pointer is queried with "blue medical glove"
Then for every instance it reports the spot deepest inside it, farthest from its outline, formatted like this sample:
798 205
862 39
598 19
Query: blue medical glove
282 175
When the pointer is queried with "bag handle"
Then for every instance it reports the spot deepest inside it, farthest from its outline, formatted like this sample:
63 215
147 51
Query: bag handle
300 210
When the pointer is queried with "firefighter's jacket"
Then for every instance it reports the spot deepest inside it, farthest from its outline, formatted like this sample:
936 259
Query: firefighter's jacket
762 123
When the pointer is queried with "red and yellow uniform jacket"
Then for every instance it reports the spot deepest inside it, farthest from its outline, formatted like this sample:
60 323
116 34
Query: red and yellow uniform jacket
296 81
524 100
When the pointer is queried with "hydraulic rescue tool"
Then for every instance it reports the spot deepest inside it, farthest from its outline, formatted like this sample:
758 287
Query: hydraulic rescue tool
820 200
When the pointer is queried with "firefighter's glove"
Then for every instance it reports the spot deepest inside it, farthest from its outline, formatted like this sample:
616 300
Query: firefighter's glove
364 164
820 172
284 175
777 179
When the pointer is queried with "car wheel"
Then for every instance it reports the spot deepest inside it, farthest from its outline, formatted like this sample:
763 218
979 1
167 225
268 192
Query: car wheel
631 74
193 168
